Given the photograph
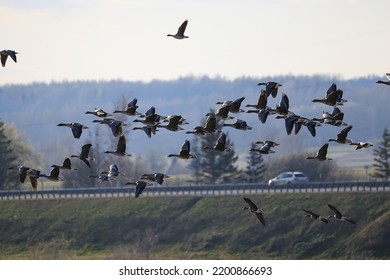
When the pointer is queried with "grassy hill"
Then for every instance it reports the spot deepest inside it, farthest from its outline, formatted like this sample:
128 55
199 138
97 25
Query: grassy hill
195 228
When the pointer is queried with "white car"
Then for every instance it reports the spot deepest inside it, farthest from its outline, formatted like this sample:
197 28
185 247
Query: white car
288 178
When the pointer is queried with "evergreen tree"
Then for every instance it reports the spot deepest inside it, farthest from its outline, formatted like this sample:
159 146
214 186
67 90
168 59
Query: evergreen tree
218 167
196 163
382 157
255 166
7 158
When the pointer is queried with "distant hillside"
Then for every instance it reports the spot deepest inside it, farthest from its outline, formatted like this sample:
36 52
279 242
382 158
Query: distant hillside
37 108
195 228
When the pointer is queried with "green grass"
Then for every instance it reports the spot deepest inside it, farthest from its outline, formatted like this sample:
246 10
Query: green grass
195 228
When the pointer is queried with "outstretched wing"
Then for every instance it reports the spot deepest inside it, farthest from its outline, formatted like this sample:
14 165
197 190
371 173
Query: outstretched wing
251 204
337 212
182 27
260 216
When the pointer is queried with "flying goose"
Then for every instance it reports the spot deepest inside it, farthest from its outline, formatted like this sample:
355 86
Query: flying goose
34 175
140 185
380 82
84 155
335 118
23 171
315 216
180 31
148 129
220 144
131 108
223 112
342 136
254 209
268 142
173 123
239 124
4 55
66 165
211 123
261 103
155 177
338 216
234 106
321 154
265 148
271 88
184 152
120 148
333 96
54 175
198 130
150 117
112 174
282 108
98 113
76 128
361 145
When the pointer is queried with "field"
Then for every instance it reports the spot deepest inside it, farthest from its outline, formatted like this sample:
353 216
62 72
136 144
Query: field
195 228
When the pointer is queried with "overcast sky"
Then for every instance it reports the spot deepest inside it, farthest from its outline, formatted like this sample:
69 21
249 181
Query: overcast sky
126 39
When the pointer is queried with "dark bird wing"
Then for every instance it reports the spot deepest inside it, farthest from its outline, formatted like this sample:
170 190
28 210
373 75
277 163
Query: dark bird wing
121 147
139 188
185 148
260 216
251 204
316 216
77 130
182 28
323 151
67 164
34 182
85 150
55 172
337 212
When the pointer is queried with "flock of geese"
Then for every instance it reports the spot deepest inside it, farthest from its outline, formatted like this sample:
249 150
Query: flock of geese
152 122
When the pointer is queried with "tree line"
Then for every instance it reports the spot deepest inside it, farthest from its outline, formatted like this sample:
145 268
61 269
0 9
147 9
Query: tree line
208 167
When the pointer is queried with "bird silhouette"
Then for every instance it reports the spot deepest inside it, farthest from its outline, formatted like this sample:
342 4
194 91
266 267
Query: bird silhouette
131 108
140 186
180 32
155 177
321 154
76 128
120 148
66 165
84 155
338 216
4 55
380 82
342 136
271 88
315 216
361 145
254 209
184 152
54 175
220 144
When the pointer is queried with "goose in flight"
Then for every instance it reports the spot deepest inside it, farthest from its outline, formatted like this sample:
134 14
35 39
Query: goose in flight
23 171
173 123
120 148
98 113
321 154
315 216
131 108
254 209
76 128
338 216
180 32
265 148
234 106
271 88
84 155
268 142
342 136
380 82
4 55
184 152
220 145
66 165
261 103
333 96
239 124
54 175
155 177
148 129
361 145
140 186
112 174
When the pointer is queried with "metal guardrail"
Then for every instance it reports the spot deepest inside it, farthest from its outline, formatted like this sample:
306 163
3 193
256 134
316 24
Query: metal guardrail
206 190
